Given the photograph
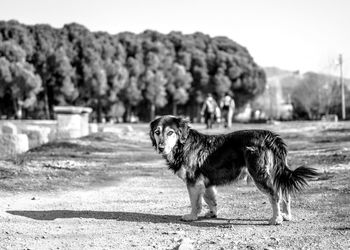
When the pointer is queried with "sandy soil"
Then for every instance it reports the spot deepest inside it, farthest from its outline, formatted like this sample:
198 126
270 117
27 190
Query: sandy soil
109 191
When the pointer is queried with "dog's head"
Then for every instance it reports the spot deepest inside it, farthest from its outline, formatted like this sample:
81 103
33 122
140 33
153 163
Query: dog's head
167 131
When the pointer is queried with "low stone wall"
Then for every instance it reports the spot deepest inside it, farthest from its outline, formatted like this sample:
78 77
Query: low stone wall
37 135
330 118
11 142
93 128
18 136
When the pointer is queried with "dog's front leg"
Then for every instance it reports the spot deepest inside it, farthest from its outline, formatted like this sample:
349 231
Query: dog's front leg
210 199
195 192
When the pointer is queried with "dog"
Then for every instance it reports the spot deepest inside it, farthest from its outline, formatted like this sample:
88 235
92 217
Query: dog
205 161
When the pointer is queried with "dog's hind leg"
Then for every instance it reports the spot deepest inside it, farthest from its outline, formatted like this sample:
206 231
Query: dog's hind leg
286 212
276 209
195 191
260 163
274 198
210 199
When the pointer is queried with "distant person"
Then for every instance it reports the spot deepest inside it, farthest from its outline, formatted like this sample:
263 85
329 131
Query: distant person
227 105
217 115
208 110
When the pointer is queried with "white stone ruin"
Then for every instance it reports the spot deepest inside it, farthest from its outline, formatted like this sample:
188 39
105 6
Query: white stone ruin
11 142
37 135
93 127
72 122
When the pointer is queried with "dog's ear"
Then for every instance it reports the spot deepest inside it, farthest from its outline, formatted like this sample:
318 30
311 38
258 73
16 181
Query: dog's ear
184 129
153 126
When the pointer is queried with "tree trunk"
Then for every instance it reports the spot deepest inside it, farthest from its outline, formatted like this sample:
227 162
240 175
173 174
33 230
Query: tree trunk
15 106
127 114
174 108
152 111
46 103
198 112
99 118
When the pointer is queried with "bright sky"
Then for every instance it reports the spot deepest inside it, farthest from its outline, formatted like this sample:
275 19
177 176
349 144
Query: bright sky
290 34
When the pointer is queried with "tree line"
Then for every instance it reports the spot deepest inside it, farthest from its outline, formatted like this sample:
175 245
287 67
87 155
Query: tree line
316 95
312 95
118 75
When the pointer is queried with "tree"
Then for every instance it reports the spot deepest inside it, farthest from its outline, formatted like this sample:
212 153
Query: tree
46 41
132 96
17 77
25 85
19 33
200 85
154 90
95 85
222 83
97 82
117 79
59 85
5 94
12 51
316 95
178 85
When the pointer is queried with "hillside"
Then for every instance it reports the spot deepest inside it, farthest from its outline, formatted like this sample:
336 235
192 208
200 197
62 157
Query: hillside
275 71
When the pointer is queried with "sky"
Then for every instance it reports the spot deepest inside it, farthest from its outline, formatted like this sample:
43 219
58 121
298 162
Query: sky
304 35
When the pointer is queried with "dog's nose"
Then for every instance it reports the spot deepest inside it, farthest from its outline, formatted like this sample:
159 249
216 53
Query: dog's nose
161 149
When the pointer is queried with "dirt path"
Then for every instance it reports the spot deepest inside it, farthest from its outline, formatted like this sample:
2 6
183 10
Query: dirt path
141 208
144 213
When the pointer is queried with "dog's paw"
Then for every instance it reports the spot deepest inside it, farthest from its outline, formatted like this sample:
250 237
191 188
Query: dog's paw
210 214
286 217
189 217
276 221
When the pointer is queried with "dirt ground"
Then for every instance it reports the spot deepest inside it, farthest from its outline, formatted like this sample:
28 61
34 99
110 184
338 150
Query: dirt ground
109 191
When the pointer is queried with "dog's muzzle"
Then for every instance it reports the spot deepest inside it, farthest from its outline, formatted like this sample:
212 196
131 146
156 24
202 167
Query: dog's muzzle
161 149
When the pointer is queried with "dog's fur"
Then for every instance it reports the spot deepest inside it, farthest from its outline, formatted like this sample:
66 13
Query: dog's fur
205 161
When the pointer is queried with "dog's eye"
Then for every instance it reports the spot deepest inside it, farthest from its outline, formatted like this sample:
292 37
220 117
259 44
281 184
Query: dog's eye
157 132
170 133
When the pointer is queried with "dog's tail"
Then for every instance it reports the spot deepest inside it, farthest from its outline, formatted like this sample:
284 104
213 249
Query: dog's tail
288 180
292 181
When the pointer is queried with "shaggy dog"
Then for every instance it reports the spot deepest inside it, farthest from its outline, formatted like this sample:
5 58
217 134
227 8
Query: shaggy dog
206 161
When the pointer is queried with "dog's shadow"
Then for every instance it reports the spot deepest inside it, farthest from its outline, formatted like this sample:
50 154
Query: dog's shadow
131 217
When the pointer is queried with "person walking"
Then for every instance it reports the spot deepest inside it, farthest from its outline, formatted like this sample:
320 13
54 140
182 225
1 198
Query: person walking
208 110
227 105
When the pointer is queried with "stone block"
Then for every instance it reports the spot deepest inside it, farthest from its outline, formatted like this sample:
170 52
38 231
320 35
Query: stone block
120 130
72 122
37 135
93 127
9 128
330 118
13 144
66 134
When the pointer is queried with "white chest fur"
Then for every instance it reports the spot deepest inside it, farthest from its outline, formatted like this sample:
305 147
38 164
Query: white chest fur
181 173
